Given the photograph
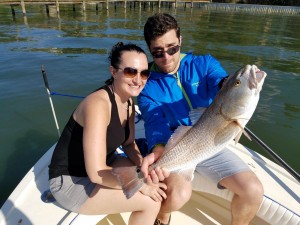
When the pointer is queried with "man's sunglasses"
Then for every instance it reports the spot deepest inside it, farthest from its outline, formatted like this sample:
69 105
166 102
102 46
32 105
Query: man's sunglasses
131 73
170 51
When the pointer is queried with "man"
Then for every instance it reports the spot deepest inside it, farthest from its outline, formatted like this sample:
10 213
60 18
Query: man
178 83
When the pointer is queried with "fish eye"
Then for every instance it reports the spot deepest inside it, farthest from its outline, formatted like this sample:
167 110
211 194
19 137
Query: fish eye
237 83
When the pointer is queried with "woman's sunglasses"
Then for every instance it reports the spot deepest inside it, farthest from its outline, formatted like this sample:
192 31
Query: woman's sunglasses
170 51
131 73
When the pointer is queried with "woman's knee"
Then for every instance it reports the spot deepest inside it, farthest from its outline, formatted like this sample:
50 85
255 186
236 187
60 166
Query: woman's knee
151 205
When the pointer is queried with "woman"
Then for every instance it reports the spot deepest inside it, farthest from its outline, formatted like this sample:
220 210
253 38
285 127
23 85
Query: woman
80 169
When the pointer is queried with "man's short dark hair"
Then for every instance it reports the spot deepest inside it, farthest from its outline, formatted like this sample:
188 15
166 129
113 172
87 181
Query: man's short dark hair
159 24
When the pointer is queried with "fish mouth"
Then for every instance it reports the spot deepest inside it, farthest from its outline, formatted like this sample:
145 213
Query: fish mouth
256 77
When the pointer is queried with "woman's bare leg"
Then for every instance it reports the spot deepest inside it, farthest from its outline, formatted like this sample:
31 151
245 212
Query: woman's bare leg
104 200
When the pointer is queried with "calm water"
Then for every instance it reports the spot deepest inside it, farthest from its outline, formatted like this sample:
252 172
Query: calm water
74 50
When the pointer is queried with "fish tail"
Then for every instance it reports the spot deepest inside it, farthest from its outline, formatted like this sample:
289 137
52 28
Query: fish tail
129 179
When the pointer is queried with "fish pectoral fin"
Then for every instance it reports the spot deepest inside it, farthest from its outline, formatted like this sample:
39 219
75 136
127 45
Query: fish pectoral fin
128 179
177 136
243 131
238 136
225 134
188 173
247 135
195 114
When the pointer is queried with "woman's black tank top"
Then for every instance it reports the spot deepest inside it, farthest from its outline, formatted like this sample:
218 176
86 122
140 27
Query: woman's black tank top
68 159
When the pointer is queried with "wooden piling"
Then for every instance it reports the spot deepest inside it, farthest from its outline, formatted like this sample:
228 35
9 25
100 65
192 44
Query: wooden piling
57 6
23 7
12 10
83 5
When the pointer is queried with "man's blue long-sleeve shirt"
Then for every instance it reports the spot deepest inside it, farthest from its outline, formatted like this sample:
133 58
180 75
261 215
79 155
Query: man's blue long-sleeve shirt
162 102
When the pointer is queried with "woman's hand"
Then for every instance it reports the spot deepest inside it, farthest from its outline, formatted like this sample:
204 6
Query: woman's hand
154 191
158 174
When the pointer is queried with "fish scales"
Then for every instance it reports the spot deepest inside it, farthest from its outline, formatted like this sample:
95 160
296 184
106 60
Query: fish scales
185 159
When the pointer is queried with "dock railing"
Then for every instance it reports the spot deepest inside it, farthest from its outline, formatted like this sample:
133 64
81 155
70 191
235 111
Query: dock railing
57 3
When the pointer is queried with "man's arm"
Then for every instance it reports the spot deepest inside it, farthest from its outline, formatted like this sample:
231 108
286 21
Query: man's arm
157 128
157 131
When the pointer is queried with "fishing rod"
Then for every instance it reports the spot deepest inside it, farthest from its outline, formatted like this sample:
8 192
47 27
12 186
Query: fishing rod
50 99
273 154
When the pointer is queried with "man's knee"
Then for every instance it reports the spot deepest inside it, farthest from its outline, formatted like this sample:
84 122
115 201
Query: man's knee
245 185
251 191
178 193
254 190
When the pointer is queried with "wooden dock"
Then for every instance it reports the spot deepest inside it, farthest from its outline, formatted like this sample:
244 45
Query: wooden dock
83 3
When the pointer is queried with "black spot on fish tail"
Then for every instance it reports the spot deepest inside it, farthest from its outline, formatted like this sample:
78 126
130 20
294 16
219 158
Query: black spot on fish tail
129 179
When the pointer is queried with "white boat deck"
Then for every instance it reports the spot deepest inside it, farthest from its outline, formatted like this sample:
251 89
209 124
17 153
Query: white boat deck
281 203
